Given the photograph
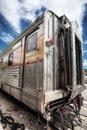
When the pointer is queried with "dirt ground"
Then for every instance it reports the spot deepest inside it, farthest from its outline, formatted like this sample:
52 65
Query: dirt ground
22 114
19 112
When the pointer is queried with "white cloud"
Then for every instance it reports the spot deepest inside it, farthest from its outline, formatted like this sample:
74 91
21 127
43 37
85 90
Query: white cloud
85 42
9 9
13 10
85 63
72 9
85 51
6 37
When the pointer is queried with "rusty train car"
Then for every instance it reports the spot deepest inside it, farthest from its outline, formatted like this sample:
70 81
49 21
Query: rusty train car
42 67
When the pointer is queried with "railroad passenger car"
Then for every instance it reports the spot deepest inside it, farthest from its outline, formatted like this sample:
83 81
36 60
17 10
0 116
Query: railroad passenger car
42 67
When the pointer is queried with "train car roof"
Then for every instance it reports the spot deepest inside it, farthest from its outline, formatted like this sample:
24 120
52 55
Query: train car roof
27 30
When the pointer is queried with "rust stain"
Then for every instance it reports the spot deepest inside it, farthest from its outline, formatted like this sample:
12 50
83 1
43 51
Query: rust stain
36 55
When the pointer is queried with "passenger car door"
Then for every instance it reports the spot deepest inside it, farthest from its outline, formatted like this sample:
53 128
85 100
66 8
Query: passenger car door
31 62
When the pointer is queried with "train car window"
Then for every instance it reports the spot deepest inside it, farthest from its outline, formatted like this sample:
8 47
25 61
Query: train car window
31 42
10 59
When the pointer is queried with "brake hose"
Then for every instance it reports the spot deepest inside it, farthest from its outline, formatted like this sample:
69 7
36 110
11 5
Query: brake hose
8 120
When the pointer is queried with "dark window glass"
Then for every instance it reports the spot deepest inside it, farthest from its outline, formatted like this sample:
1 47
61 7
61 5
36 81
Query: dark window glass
32 43
10 60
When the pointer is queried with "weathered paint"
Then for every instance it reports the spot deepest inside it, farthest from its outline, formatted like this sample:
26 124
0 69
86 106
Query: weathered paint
39 77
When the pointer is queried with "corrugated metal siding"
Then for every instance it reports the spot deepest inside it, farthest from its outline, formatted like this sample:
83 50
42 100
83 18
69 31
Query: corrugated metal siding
10 76
30 76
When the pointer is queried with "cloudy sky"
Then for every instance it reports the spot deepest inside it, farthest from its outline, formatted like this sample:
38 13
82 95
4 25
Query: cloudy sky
16 15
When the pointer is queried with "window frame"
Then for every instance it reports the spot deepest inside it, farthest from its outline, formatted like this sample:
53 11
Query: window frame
10 62
27 44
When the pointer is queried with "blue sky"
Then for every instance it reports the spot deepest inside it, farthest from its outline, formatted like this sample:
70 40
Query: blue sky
84 36
16 15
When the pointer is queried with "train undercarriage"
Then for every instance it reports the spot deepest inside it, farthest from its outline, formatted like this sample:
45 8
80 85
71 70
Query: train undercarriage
63 115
